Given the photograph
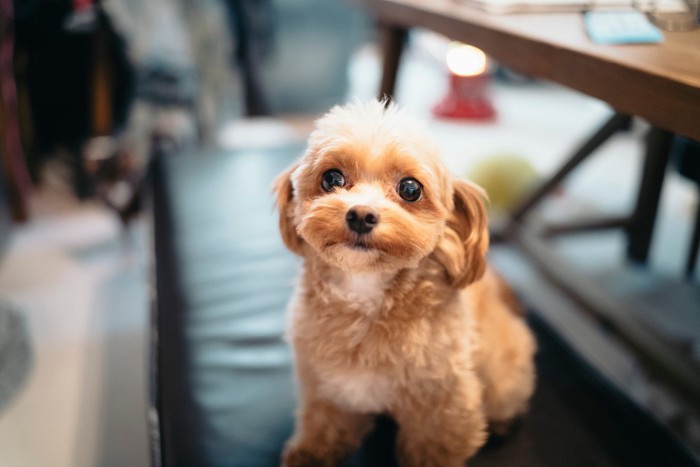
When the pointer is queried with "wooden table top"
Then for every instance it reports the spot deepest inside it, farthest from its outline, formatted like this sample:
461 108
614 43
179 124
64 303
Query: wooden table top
658 82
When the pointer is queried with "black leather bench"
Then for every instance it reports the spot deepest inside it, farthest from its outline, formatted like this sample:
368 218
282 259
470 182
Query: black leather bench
222 388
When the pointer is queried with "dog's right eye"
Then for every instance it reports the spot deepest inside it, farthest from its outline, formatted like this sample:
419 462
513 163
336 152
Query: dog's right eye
331 179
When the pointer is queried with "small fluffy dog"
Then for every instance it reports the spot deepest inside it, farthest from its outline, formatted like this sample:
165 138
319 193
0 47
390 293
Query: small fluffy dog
396 311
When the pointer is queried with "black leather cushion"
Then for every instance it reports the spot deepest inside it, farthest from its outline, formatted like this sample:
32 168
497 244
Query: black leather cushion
222 384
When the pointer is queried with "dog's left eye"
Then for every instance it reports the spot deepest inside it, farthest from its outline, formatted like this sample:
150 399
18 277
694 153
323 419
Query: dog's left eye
331 179
410 189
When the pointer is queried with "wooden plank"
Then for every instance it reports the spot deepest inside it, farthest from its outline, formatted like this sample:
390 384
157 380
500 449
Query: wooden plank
585 226
658 356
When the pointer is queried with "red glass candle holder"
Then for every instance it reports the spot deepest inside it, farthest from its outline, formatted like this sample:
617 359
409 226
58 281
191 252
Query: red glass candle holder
467 98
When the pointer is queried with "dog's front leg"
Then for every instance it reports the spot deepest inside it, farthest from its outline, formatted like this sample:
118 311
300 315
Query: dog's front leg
440 426
325 434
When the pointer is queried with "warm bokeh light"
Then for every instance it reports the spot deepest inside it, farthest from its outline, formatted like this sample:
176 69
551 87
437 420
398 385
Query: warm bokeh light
465 60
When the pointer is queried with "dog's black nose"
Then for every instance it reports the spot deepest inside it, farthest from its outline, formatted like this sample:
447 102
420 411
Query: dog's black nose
362 219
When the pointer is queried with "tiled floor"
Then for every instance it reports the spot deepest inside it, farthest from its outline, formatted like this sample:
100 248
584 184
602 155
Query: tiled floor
82 280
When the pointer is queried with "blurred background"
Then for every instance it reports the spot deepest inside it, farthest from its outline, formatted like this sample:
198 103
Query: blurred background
88 86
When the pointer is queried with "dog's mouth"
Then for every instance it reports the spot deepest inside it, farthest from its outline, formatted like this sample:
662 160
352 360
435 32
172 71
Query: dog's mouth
361 243
361 246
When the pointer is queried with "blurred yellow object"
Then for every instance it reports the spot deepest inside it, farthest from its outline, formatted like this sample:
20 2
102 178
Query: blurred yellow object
506 178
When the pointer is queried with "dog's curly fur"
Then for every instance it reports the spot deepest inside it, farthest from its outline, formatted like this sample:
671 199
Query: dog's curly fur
406 319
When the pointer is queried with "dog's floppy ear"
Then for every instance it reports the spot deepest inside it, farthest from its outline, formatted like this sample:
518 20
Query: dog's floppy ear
462 249
285 203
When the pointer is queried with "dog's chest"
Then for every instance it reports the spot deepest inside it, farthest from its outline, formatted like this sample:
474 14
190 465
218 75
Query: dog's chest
359 290
355 299
358 390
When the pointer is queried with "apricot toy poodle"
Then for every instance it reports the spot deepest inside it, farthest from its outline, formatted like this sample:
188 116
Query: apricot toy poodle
395 311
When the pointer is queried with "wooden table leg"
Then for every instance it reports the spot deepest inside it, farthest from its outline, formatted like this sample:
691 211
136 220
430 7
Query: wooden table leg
641 228
393 39
614 124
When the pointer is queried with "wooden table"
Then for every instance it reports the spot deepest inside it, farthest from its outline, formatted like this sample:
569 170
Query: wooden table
657 82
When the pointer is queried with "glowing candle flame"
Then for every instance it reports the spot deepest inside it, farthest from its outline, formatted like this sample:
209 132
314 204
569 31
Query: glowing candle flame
465 60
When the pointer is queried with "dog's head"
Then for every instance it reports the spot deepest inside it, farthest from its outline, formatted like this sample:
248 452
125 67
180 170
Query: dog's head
371 194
